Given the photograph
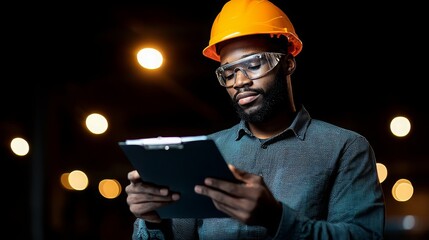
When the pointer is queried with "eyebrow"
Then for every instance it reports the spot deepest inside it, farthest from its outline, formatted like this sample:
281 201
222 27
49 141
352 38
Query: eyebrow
242 56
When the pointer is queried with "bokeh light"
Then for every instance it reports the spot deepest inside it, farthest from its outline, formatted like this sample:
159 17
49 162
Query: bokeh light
402 190
382 172
20 146
149 58
400 126
109 188
96 123
78 180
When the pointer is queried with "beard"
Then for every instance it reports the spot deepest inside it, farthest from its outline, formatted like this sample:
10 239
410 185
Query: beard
275 99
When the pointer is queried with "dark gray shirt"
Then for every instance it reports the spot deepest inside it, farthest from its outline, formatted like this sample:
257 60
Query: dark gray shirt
324 176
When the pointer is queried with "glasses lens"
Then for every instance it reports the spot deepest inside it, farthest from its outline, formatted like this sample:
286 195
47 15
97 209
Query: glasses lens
254 66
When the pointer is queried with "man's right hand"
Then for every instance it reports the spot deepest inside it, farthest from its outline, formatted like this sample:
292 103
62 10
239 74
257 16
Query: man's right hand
143 198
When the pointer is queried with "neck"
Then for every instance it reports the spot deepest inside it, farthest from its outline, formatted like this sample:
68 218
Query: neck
273 126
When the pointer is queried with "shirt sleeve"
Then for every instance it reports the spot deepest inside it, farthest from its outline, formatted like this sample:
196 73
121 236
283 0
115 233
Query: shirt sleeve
356 205
167 229
142 232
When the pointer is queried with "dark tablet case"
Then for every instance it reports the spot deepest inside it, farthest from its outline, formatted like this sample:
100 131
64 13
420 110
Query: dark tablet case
181 167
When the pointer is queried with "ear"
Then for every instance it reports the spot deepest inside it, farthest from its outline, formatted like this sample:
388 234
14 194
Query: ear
289 64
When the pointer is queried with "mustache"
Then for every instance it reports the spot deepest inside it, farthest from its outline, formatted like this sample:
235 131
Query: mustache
247 89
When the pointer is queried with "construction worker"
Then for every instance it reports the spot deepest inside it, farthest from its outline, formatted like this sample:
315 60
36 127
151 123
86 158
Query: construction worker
302 178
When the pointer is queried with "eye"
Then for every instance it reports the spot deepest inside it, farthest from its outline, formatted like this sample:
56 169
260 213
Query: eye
228 75
254 65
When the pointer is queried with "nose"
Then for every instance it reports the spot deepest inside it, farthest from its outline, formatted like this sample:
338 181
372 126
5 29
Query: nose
241 78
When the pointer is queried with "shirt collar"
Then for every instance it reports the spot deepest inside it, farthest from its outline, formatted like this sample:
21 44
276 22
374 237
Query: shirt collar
298 126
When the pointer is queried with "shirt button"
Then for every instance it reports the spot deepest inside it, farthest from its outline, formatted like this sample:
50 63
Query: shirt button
264 146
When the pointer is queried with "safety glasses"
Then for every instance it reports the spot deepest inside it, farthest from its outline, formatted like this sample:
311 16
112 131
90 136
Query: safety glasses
253 67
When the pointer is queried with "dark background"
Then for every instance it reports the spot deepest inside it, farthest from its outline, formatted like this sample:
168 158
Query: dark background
362 64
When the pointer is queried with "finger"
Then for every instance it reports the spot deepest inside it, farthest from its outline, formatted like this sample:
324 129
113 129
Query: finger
148 188
134 176
213 194
141 202
248 178
232 189
232 211
140 185
224 202
248 189
153 189
146 210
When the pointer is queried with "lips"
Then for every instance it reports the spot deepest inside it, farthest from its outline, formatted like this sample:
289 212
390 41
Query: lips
247 97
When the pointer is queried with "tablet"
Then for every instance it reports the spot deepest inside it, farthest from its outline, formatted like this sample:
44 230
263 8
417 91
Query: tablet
179 163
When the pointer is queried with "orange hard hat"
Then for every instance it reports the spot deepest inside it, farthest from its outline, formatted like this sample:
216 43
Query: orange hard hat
247 17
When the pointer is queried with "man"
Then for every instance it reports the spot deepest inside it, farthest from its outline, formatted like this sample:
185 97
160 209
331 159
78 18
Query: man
302 178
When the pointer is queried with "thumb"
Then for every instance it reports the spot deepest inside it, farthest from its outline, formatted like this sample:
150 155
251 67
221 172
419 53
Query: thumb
239 174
